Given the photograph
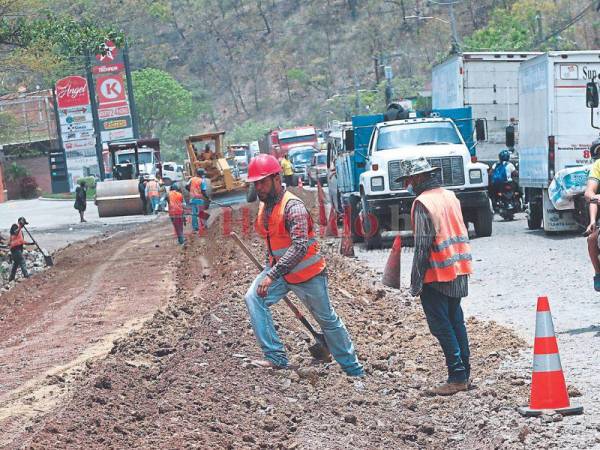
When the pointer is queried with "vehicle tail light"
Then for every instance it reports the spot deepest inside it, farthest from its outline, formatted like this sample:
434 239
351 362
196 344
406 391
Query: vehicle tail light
473 159
551 156
375 167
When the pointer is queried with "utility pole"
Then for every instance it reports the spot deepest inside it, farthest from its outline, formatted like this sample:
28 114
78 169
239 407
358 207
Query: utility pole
455 41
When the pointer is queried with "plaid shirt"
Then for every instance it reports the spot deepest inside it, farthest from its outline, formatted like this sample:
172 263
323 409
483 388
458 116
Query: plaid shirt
424 237
296 223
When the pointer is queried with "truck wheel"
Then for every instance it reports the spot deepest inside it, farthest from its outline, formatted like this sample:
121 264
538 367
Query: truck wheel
355 234
534 216
483 221
251 193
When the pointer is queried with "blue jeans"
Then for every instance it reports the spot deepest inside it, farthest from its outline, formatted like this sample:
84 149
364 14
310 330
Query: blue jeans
197 206
154 203
315 296
446 322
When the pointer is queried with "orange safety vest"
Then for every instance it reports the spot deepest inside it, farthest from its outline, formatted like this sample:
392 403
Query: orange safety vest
278 241
16 240
450 252
152 189
175 204
196 187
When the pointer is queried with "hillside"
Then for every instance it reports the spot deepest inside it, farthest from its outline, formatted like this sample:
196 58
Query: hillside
266 62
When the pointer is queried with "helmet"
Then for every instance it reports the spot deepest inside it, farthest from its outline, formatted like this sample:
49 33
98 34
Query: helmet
504 155
200 172
175 187
595 149
262 166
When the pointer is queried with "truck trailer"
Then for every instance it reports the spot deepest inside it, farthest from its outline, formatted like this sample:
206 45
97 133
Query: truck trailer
555 132
488 83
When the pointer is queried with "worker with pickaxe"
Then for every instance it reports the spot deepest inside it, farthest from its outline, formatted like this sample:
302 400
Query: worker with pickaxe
294 264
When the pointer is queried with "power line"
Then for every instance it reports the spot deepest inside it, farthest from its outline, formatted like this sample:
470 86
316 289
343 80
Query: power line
571 22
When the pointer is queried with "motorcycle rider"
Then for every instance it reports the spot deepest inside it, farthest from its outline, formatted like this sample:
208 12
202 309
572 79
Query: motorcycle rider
593 197
501 173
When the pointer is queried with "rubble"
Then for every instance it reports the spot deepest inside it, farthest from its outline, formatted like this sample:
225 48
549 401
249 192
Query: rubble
183 379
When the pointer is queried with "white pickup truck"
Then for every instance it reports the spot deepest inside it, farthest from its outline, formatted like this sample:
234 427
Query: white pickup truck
438 140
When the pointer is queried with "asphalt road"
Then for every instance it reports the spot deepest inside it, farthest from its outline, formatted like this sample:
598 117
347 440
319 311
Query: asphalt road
511 269
55 224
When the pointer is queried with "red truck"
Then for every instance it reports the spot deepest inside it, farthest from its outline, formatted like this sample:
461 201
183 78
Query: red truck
278 142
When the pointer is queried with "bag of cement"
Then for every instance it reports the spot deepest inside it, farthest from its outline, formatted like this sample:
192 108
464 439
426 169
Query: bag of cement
568 183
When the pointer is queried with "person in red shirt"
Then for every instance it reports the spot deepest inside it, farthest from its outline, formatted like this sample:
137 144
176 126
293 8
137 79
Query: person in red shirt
176 204
16 243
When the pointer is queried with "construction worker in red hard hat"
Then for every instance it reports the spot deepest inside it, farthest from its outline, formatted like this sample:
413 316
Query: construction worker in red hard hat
294 264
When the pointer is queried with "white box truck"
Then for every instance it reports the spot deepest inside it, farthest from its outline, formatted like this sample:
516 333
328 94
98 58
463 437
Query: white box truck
554 128
488 83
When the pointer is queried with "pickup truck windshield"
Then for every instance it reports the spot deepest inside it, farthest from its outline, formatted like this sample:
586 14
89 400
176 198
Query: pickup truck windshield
411 134
322 159
239 152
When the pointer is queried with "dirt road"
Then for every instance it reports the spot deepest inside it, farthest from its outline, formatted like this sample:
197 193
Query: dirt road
64 317
183 379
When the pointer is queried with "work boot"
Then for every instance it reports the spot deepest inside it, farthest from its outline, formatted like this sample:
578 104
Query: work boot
449 388
597 282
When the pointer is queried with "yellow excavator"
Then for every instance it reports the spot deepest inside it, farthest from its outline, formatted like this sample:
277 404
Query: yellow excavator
205 152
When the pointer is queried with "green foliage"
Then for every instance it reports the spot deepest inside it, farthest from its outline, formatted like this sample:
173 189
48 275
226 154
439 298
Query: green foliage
161 101
15 172
90 182
252 130
522 27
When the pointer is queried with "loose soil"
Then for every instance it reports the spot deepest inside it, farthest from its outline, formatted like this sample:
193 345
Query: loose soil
183 378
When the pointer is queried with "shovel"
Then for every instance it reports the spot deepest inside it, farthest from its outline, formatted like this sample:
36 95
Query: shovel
47 258
319 349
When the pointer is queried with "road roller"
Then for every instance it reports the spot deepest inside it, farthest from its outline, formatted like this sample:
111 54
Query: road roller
119 195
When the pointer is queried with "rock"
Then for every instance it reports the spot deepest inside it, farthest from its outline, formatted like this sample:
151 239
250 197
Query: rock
427 428
557 418
350 418
248 438
525 431
573 391
545 418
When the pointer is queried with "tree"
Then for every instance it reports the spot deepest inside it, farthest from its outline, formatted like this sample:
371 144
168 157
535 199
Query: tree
161 101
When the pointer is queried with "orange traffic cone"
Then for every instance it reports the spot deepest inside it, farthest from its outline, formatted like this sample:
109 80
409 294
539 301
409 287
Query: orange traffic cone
332 229
548 387
391 273
346 246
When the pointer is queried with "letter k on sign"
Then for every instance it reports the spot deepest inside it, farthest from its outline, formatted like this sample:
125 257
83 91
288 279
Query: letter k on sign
110 89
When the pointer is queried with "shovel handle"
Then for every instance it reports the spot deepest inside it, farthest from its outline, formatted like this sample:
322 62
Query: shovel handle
33 240
293 307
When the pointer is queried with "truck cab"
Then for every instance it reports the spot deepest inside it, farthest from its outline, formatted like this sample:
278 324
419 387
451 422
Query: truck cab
387 204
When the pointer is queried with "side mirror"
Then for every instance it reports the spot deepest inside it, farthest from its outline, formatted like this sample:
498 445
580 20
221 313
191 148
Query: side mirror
510 136
349 140
480 130
591 95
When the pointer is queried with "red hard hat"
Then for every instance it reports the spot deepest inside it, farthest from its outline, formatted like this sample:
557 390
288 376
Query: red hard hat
262 166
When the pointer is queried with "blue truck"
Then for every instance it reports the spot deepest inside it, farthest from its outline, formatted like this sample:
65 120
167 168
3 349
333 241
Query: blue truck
363 159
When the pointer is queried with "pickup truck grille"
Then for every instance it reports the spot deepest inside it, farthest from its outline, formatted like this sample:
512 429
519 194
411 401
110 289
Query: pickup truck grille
452 173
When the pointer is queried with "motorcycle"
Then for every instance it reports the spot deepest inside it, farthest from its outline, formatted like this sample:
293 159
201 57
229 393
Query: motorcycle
507 201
